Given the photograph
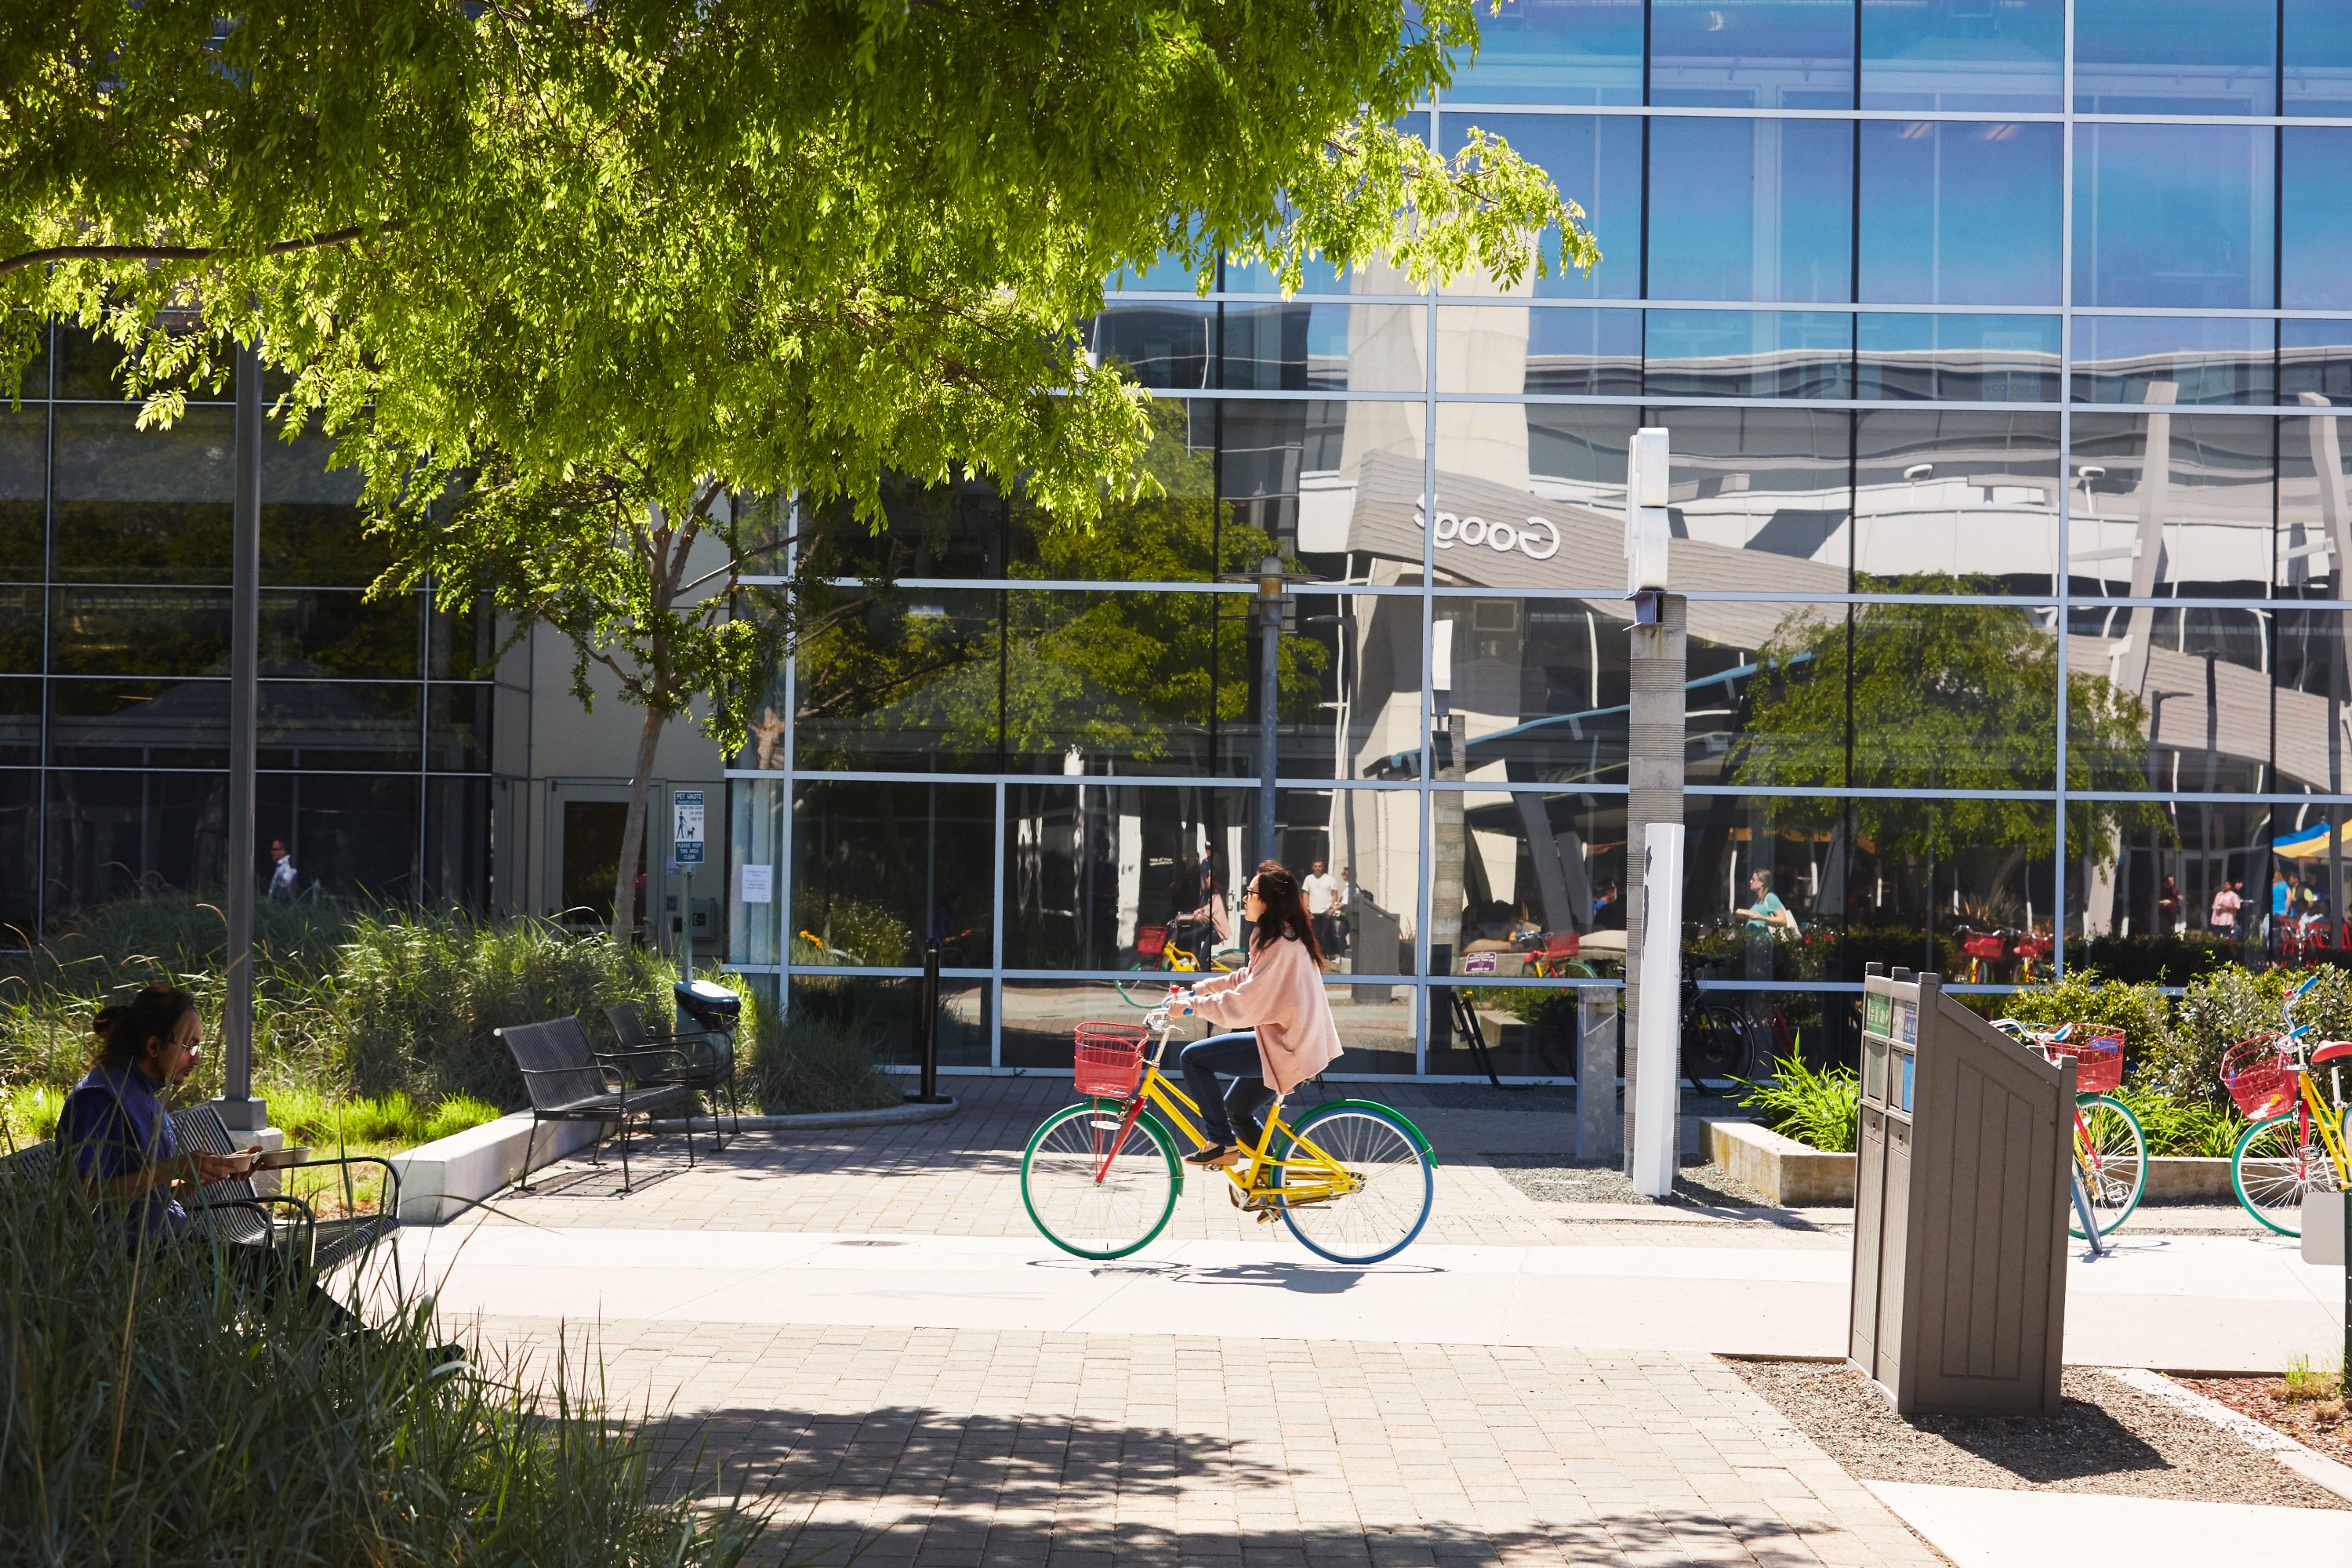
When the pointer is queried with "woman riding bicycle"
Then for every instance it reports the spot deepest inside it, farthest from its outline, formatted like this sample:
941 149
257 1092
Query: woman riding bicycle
1282 1022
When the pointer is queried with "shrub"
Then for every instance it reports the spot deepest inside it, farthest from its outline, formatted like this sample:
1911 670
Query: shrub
2233 1004
2173 1127
261 1436
1820 1109
807 1064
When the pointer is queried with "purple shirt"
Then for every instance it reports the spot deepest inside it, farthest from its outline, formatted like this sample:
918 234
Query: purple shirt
114 1124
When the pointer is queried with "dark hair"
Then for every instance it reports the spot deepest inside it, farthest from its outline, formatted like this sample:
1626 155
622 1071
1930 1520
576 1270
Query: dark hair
125 1028
1285 908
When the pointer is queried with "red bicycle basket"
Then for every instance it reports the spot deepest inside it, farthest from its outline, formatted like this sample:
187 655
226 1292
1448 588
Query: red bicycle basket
1110 1059
2098 1057
2259 1076
1984 944
1150 941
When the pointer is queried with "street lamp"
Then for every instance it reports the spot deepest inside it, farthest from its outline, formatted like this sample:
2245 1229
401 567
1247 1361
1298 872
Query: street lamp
1272 581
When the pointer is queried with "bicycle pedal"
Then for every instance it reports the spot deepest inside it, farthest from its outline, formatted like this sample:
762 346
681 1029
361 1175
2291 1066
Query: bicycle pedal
1266 1217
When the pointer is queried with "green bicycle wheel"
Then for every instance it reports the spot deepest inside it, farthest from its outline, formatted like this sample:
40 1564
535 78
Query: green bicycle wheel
1095 1191
2277 1161
1396 1183
2111 1153
1143 993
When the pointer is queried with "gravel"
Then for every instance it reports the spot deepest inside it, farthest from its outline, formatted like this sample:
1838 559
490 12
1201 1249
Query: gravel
2321 1424
2109 1437
1543 1178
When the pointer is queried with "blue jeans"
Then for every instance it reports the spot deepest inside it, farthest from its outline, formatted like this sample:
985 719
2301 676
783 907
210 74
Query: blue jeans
1234 1055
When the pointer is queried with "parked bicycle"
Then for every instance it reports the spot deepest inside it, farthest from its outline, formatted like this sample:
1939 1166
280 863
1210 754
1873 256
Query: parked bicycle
1159 950
2296 1144
1353 1180
2110 1147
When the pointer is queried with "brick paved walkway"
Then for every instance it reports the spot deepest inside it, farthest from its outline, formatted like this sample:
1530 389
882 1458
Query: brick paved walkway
941 1448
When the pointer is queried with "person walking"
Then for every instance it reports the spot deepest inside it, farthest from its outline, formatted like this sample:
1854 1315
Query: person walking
1321 890
281 877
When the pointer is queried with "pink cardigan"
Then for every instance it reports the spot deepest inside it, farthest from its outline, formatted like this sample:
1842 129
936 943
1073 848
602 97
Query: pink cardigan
1280 995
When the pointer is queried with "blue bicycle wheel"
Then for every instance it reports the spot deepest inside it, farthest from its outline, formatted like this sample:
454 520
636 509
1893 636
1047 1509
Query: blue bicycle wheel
1396 1183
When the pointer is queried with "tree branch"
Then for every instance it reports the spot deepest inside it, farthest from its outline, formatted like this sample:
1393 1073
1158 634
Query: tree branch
327 241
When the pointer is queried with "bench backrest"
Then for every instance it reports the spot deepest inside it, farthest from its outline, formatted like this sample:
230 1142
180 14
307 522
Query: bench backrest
558 1065
33 1162
229 1211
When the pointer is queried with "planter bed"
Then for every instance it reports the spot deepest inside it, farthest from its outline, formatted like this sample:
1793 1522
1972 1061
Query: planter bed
1791 1173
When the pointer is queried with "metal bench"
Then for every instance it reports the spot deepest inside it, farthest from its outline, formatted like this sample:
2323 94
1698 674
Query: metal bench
569 1081
707 1067
234 1212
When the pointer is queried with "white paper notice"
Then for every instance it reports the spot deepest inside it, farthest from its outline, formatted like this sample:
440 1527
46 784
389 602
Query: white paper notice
758 884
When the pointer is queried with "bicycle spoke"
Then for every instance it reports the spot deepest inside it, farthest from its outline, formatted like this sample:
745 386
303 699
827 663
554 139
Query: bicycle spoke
1389 1187
1095 1190
2111 1155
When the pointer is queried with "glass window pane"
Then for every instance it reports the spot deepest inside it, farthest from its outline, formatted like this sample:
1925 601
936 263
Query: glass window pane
2177 217
1954 213
925 531
24 492
20 846
1752 54
877 868
20 726
1563 349
1375 1023
1966 496
1525 863
1596 163
2314 508
1956 359
111 836
1751 209
139 631
2176 57
2184 697
144 506
2315 218
1554 51
340 726
2309 693
1502 521
1757 901
20 631
2179 359
348 837
1761 496
138 723
1541 687
1322 278
323 634
1748 354
310 523
1165 344
1924 874
883 1010
1766 703
909 684
1131 682
1324 348
2315 362
2198 523
456 852
2318 56
2184 853
457 729
1964 56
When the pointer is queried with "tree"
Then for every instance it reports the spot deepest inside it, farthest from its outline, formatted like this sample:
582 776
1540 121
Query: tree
561 278
1944 697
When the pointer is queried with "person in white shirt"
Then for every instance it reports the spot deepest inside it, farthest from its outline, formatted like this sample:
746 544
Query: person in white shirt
281 881
1321 890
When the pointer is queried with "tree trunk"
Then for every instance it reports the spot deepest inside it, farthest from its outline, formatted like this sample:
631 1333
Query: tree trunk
633 836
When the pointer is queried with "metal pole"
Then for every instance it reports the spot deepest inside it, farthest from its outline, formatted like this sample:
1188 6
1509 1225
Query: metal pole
1269 696
927 1026
238 1108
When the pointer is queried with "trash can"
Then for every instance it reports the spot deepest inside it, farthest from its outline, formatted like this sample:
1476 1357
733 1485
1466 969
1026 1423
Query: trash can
1960 1196
712 1008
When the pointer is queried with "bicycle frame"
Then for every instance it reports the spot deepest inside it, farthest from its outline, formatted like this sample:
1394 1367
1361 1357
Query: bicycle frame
1326 1178
2313 1110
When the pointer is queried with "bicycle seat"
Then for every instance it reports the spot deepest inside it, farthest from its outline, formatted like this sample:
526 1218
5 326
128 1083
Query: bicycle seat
2333 1051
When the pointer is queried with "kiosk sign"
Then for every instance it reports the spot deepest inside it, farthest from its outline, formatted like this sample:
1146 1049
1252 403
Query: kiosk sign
685 827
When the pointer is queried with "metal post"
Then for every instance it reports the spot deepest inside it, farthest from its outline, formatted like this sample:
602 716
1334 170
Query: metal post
927 1028
1658 669
238 1108
1269 698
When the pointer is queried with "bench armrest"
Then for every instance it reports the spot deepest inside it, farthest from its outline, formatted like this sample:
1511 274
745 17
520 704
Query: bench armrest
391 1176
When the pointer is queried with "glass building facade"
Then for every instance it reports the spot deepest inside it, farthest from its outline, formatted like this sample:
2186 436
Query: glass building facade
375 744
1999 342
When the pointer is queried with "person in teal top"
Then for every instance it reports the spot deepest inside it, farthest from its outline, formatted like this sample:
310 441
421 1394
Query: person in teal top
1764 909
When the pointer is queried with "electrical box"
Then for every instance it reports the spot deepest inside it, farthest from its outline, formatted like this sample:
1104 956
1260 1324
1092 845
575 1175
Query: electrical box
1961 1196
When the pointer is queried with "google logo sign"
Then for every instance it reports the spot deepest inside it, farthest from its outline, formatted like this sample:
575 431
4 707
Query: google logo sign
1502 537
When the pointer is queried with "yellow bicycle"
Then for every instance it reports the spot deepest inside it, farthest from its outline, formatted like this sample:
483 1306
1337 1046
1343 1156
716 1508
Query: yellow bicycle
1353 1180
1158 953
2296 1142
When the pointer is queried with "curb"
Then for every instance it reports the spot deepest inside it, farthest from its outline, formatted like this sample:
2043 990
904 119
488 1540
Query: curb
2310 1464
817 1120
